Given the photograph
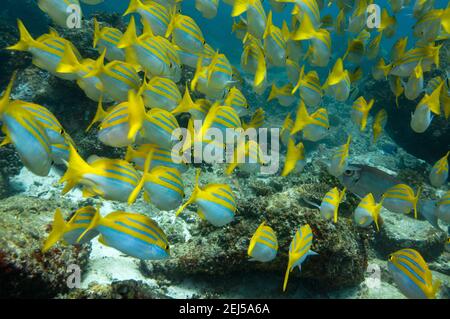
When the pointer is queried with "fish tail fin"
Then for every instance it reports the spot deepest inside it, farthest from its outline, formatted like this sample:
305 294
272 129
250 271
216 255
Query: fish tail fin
436 285
98 67
134 194
147 27
260 74
97 33
99 115
302 118
25 41
130 35
171 26
305 30
96 219
69 62
136 114
274 93
300 80
239 7
376 215
286 277
197 73
337 74
257 119
76 167
4 100
186 103
57 232
268 25
193 195
133 7
416 200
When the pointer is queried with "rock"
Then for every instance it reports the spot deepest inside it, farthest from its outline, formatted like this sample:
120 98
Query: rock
400 231
25 272
213 251
4 186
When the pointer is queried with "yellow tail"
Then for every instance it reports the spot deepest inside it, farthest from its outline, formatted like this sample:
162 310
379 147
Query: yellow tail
4 100
274 93
96 220
133 7
416 200
76 168
136 114
97 33
26 40
129 37
186 103
69 62
286 276
99 115
58 227
134 194
268 25
376 215
260 74
239 7
302 118
193 195
197 73
98 67
305 30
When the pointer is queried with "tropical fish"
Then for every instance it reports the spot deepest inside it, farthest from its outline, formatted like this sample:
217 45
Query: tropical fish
374 47
339 25
309 87
355 51
314 127
338 82
237 101
163 186
380 70
406 63
191 59
117 78
121 124
368 211
216 202
256 16
132 234
253 59
294 49
256 121
274 43
360 112
421 118
285 133
401 199
439 171
330 203
357 20
218 75
295 158
339 161
248 157
263 244
71 230
398 49
186 33
378 124
443 207
160 93
111 179
428 26
412 275
208 8
283 95
239 28
154 13
198 109
388 24
310 8
414 86
47 50
108 38
299 250
395 84
292 71
65 13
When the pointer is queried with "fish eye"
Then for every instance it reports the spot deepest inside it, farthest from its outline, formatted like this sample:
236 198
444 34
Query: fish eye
348 172
61 131
391 257
171 65
180 138
179 10
204 42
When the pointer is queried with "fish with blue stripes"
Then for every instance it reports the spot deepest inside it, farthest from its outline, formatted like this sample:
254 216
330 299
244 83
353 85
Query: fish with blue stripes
275 46
47 50
216 202
191 59
339 160
108 38
237 101
116 78
161 157
329 207
405 64
360 112
263 245
217 76
121 124
412 275
295 158
154 13
401 199
112 179
314 127
185 33
163 186
255 15
338 82
64 13
368 212
443 207
68 232
299 250
133 234
253 59
161 93
439 171
309 87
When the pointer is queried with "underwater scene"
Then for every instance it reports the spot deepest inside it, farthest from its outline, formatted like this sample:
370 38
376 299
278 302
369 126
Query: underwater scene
224 149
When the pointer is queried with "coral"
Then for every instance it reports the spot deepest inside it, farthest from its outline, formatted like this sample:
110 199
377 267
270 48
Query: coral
25 271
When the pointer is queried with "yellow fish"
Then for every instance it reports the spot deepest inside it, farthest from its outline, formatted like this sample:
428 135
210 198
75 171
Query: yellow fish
439 172
368 211
339 161
379 123
330 203
360 112
263 244
295 158
315 126
401 199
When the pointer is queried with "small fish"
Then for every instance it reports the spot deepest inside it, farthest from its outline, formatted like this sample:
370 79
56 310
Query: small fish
154 13
339 26
380 70
406 63
208 8
299 250
374 47
71 230
191 59
439 172
216 202
217 76
256 121
239 28
107 38
395 84
421 118
186 33
274 43
398 49
314 127
338 82
61 11
160 93
294 49
283 95
360 112
121 124
253 59
237 100
378 124
111 179
263 244
163 186
295 158
443 207
198 109
339 161
286 129
414 86
309 87
292 71
330 203
412 275
355 51
310 8
132 234
428 26
368 211
401 199
47 50
388 24
256 16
